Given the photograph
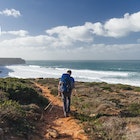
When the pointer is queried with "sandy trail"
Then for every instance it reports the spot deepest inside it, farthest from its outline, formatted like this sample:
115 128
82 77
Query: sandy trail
67 128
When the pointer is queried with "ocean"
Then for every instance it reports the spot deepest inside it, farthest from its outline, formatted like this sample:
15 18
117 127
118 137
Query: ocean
115 71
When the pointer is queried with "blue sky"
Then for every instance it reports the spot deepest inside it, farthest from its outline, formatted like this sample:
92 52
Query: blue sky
70 29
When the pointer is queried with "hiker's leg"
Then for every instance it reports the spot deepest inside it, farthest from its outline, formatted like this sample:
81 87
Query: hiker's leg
64 103
68 103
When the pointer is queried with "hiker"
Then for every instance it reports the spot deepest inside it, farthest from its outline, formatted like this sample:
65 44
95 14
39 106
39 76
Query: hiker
65 86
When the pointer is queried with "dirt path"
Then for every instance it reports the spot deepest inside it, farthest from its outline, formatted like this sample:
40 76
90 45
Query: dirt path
56 125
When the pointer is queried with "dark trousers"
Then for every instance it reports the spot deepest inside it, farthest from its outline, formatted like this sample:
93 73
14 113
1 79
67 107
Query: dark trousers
66 97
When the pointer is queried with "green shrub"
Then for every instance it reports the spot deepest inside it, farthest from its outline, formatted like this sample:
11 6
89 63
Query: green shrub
137 89
21 91
20 106
11 110
125 87
91 84
107 87
54 91
3 96
13 114
134 109
48 81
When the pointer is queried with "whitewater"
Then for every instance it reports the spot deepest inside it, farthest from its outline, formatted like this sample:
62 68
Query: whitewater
84 71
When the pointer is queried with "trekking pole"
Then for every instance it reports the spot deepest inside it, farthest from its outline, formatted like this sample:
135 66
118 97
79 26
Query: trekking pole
50 103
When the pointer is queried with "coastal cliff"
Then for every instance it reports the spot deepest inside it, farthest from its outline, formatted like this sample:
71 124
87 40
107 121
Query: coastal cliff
11 61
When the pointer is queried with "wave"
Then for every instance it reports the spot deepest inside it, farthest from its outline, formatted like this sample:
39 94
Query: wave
35 71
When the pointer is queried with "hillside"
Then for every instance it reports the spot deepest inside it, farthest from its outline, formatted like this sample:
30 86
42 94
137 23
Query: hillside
11 61
21 108
104 111
22 114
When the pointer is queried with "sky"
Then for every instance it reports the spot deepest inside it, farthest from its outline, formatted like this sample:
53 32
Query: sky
70 29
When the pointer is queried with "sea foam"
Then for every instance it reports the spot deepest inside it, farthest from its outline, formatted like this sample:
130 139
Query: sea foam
35 71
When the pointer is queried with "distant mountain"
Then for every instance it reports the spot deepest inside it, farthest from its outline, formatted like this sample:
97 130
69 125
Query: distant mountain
11 61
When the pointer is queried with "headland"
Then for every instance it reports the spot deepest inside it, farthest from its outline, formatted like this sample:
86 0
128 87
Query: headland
11 61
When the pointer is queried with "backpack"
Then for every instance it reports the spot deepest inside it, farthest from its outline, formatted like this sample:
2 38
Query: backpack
65 83
72 82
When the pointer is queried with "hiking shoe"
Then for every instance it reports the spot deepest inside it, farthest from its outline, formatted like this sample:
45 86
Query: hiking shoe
65 114
69 114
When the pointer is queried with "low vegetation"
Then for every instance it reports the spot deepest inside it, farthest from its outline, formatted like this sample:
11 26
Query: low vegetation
20 108
107 111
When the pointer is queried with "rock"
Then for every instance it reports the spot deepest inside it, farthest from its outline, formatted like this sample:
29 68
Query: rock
52 133
92 115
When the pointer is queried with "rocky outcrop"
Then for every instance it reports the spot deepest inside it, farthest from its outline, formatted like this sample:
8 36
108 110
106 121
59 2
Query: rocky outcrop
11 61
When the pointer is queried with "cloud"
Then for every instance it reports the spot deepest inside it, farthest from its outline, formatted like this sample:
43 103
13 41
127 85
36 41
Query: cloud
70 35
29 41
65 37
42 47
21 33
114 27
75 42
10 12
117 27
